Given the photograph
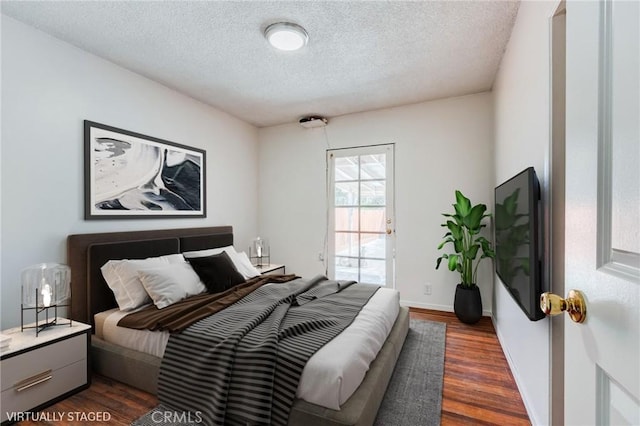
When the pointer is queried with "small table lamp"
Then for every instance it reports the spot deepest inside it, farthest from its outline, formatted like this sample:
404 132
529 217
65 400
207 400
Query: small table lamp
45 286
259 251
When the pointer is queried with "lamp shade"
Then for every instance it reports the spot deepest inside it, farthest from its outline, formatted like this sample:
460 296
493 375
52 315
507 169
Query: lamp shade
259 251
260 247
45 284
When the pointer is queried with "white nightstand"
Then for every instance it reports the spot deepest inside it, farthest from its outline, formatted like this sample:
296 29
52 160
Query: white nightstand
39 371
271 268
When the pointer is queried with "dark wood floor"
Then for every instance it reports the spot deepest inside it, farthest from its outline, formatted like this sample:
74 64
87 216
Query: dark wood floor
478 386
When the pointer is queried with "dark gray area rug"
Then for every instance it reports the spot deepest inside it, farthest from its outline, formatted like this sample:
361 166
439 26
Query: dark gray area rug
414 394
413 397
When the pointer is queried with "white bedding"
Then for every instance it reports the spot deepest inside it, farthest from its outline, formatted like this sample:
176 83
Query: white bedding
331 375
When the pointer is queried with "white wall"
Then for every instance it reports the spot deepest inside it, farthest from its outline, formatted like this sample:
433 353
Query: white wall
522 117
440 146
48 89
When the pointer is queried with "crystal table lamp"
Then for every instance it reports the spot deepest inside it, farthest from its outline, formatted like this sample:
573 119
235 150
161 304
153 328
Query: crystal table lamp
45 286
259 252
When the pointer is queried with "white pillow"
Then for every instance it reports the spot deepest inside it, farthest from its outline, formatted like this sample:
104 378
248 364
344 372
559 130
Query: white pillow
240 260
246 267
170 283
122 278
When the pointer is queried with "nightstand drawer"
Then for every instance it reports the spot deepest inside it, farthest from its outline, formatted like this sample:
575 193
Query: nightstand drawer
39 369
49 357
62 380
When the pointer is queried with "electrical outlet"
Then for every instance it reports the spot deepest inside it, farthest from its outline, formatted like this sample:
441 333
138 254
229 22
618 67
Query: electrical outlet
427 289
320 257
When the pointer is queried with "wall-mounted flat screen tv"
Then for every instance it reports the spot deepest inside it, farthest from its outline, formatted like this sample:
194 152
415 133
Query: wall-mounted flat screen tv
518 241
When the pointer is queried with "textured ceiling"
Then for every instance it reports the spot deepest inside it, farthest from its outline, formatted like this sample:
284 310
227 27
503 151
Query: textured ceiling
362 55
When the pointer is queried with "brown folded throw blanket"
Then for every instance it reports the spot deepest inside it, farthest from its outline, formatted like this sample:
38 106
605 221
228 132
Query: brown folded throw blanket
182 314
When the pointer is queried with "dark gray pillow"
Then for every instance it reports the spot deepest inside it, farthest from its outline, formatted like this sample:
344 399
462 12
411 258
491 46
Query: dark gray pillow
217 272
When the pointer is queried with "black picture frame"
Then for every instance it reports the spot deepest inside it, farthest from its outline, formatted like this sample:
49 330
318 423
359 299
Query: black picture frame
129 175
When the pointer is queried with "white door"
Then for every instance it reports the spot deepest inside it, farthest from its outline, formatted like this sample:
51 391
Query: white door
602 356
360 199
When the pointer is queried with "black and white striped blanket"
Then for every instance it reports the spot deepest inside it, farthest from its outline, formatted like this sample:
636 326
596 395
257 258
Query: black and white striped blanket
241 366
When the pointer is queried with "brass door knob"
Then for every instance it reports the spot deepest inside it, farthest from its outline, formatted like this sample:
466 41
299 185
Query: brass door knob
574 305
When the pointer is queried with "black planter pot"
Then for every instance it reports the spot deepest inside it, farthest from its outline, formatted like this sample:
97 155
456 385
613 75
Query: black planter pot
467 304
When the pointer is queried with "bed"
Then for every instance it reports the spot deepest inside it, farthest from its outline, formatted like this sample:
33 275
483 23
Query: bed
88 252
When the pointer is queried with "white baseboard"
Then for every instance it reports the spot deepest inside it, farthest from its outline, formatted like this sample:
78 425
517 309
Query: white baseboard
444 308
516 377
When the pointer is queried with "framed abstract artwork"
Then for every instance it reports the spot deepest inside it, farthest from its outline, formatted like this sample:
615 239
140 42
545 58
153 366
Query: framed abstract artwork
129 175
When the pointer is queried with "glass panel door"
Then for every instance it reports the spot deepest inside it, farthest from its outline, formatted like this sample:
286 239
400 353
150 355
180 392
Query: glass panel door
361 231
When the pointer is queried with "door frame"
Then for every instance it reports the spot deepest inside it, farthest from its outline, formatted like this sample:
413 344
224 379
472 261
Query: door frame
554 214
390 281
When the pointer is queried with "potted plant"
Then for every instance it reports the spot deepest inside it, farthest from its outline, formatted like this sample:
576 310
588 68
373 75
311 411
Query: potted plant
469 249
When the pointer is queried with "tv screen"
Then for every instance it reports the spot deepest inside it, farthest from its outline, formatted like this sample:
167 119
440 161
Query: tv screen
517 240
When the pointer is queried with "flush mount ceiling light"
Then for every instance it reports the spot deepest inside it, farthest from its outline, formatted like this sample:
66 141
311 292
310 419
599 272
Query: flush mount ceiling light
286 36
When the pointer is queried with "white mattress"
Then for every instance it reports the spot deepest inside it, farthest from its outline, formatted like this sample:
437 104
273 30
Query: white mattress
331 375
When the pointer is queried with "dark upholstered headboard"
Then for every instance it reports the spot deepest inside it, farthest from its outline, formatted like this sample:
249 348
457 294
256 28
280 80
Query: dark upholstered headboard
86 253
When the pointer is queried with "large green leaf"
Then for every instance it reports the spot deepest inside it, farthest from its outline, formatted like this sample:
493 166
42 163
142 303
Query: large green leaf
456 230
473 219
462 205
447 240
453 262
472 252
444 256
488 254
455 217
483 241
